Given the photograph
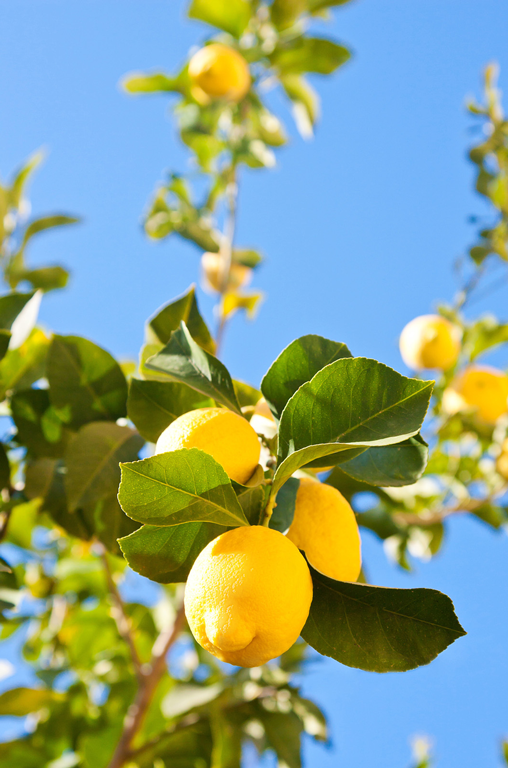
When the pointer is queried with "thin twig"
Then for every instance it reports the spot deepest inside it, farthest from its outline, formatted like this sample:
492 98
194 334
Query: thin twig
438 516
120 616
136 713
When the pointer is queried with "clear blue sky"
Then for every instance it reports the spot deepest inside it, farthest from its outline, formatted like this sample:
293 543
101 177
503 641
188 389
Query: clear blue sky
360 229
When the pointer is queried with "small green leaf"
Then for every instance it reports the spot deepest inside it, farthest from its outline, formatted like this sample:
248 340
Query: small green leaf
22 176
23 366
184 361
85 379
40 428
309 54
305 103
297 364
379 629
19 702
47 222
284 511
93 458
11 306
179 487
166 553
168 319
184 698
46 278
230 15
156 82
154 405
391 465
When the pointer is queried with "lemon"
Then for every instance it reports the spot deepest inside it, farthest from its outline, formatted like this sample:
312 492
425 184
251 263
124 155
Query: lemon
225 435
430 341
481 387
248 596
325 528
211 268
219 72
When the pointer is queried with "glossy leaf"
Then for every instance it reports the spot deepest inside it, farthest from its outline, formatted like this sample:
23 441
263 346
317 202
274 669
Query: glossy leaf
298 363
153 405
391 465
168 319
184 361
284 511
23 366
179 487
230 15
93 458
166 553
85 380
379 629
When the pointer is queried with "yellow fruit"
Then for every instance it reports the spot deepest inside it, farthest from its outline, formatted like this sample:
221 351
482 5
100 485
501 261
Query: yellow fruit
325 528
248 596
225 435
483 388
502 460
430 341
219 72
211 267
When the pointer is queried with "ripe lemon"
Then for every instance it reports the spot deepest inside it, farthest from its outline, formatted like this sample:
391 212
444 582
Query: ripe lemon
225 435
482 387
502 460
325 528
248 596
211 264
219 72
430 341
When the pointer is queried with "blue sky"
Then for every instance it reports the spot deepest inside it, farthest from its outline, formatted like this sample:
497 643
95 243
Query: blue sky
360 229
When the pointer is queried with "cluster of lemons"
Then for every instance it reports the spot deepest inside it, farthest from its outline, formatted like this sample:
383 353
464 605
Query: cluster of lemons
249 591
433 342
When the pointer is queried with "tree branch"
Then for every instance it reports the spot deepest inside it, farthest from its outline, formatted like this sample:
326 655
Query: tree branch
148 685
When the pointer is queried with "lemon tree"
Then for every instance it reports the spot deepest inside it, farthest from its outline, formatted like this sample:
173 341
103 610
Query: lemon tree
245 493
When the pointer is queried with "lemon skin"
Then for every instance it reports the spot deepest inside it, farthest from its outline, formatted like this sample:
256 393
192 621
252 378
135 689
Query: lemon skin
225 435
325 528
483 388
248 596
430 341
219 72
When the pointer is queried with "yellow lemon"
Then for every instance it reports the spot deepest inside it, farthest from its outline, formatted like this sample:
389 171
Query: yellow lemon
483 388
219 72
248 596
211 268
430 341
502 460
325 528
225 435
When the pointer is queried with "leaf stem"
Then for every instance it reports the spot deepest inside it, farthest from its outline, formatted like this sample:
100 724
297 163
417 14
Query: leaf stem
268 512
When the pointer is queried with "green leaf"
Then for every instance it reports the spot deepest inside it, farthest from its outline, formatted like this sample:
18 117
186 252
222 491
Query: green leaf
153 405
5 469
283 732
166 553
85 380
391 465
305 103
379 629
22 366
22 176
284 13
485 334
46 278
156 82
184 361
20 702
250 301
40 428
252 501
246 394
309 54
47 222
283 513
184 698
179 487
297 364
319 5
11 306
168 319
108 521
93 458
5 338
230 15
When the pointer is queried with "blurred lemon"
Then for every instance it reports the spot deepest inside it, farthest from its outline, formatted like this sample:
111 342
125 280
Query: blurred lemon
225 435
325 528
430 341
219 72
211 270
481 387
248 596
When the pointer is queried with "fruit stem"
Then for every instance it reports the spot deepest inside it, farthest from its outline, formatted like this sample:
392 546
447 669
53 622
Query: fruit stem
268 511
